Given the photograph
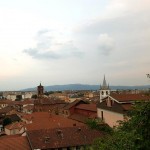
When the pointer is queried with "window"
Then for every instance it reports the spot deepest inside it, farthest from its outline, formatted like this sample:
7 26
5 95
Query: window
111 102
102 117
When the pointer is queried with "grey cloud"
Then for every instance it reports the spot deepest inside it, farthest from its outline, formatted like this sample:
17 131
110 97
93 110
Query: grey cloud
48 48
130 34
105 44
35 53
127 23
68 49
41 32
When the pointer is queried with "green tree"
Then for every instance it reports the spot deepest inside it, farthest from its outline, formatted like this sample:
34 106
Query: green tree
6 121
99 125
18 97
133 134
34 96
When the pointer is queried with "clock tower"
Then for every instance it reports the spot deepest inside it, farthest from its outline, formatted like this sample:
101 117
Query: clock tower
40 90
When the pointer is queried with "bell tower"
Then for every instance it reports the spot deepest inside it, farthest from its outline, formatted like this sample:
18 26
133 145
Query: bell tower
40 90
104 90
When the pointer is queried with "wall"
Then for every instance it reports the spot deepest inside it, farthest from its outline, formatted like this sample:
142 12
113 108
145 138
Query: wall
85 112
14 131
7 131
12 97
110 117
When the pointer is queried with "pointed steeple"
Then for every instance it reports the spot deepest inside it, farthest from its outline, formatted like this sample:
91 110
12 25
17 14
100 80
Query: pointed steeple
104 90
104 82
104 85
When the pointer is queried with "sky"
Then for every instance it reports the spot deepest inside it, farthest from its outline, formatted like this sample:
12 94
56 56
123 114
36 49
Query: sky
59 42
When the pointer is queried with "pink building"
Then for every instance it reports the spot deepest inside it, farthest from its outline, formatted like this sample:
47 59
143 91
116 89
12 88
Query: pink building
115 106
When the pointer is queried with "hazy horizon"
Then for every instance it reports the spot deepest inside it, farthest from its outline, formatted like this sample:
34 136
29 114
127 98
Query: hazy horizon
82 85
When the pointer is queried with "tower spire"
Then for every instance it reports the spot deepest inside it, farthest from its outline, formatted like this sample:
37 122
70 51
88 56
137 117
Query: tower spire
104 85
104 90
104 82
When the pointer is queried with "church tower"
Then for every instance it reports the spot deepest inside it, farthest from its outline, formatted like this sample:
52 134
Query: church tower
40 90
104 90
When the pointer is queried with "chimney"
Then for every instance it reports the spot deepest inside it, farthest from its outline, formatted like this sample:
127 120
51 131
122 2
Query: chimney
46 139
59 131
60 134
79 129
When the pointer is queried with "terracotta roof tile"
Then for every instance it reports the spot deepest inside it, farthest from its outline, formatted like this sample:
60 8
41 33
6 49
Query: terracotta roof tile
45 120
28 101
49 101
61 138
6 102
14 143
73 104
91 107
116 107
6 109
129 97
24 102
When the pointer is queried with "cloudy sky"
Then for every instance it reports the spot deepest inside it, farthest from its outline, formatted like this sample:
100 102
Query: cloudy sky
74 41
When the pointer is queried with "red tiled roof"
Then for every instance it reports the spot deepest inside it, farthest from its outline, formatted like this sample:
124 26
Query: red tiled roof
45 120
73 104
129 97
16 125
49 101
28 101
91 107
116 107
14 143
6 109
61 138
6 102
24 102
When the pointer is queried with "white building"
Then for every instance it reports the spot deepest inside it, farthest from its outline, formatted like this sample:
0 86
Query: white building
104 90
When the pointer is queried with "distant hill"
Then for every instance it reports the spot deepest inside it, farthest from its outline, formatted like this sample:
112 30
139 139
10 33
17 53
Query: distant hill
85 87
